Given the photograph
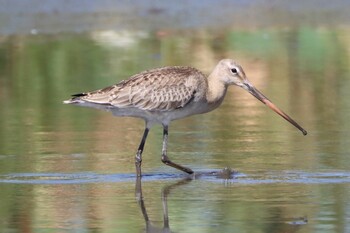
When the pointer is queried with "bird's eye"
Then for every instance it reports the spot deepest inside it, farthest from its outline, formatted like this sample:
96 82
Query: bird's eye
234 71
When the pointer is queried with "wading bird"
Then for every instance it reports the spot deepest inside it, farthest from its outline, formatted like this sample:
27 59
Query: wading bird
162 95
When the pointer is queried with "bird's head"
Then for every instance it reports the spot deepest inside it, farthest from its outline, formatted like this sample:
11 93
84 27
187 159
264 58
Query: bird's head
231 73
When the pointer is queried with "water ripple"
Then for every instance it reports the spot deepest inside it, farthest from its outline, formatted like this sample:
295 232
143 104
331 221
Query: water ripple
77 178
211 176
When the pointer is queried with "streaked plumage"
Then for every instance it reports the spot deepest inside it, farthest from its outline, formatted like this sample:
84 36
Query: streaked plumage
162 95
148 93
152 90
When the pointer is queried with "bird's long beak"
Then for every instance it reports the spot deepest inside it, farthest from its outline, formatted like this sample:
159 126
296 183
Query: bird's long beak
257 94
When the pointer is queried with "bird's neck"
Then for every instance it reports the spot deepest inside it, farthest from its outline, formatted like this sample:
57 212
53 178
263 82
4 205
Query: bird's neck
216 90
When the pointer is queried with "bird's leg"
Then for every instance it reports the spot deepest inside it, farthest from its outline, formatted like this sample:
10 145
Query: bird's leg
165 158
138 157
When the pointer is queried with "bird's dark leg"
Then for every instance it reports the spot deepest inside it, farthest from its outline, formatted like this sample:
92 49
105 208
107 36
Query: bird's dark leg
165 158
138 157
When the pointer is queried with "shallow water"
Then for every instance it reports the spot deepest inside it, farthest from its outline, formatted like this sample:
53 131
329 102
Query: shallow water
71 169
289 201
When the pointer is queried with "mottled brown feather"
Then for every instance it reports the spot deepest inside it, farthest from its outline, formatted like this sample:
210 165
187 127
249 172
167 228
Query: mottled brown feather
161 89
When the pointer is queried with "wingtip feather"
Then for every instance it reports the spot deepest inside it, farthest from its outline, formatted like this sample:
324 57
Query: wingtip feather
75 99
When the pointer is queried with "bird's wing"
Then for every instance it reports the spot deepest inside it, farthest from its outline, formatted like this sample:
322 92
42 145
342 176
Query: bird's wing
159 89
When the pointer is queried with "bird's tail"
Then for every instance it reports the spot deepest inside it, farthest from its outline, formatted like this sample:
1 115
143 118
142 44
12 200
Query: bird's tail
75 99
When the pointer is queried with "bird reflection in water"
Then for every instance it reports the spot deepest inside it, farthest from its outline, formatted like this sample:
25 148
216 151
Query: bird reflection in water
226 174
150 228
